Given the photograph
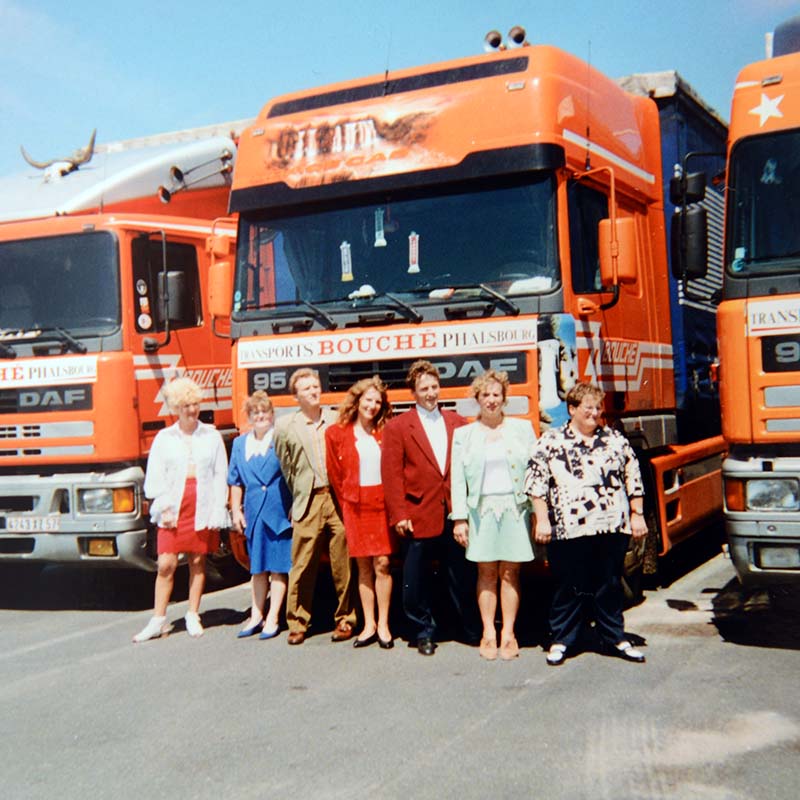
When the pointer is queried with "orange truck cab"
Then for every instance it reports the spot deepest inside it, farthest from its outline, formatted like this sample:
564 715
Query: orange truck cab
103 271
759 318
506 210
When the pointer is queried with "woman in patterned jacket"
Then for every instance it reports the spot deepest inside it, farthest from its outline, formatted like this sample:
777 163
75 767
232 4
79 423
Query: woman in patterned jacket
588 500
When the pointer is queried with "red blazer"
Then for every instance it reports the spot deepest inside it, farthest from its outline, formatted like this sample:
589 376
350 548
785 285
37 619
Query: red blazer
413 484
341 459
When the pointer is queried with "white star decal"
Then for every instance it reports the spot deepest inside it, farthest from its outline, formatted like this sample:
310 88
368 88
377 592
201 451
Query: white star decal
767 108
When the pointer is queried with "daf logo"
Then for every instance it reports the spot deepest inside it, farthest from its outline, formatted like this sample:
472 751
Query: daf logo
52 398
471 368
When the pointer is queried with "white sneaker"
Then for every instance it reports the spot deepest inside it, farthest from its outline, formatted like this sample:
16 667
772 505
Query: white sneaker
193 626
158 626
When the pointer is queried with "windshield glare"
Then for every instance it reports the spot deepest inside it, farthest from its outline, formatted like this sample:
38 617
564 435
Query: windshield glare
421 248
69 282
764 204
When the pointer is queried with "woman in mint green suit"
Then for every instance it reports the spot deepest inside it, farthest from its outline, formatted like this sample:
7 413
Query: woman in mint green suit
491 511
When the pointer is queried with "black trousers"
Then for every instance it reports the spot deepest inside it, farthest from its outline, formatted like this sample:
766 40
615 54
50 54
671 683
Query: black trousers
419 556
588 572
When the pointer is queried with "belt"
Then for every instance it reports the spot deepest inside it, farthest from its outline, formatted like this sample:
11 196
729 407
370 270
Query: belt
320 490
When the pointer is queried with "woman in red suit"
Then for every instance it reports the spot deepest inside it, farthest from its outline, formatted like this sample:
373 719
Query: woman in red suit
353 455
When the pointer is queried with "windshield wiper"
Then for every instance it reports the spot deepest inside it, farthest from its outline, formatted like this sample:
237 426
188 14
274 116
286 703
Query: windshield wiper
512 308
68 341
315 312
411 313
483 308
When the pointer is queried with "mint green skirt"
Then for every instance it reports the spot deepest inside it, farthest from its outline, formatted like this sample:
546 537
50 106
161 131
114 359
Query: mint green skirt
499 530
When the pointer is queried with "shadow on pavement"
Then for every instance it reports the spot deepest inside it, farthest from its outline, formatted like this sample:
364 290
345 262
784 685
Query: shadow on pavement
758 618
37 587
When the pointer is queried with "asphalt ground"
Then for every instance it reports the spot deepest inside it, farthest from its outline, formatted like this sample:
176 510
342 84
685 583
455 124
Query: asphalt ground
714 714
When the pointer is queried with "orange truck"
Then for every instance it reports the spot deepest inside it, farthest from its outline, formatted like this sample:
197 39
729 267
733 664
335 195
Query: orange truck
103 271
507 210
759 318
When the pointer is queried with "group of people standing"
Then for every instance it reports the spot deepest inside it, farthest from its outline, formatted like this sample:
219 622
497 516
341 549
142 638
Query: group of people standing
363 484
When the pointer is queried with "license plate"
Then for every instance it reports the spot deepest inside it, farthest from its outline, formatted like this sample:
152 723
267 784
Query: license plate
33 524
787 557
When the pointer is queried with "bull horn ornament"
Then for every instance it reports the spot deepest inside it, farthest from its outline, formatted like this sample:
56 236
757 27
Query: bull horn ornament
69 164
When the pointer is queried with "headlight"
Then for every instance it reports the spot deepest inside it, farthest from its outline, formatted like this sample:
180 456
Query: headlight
773 494
107 501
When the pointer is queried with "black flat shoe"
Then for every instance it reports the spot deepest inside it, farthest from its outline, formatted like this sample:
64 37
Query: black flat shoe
366 642
385 644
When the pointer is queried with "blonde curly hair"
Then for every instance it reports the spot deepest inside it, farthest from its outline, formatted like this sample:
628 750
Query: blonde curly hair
182 392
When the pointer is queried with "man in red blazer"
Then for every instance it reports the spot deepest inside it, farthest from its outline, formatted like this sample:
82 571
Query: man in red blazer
415 467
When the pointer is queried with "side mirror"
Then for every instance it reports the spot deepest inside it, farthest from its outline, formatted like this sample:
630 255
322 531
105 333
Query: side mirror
689 243
690 188
618 254
174 303
220 289
218 246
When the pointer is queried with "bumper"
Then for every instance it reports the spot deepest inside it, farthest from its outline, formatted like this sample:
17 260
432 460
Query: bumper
129 549
47 518
764 553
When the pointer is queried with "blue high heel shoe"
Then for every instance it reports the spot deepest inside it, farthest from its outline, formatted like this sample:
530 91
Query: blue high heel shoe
251 631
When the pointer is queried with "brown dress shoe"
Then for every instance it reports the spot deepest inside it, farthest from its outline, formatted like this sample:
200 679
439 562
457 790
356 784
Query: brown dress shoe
297 637
343 631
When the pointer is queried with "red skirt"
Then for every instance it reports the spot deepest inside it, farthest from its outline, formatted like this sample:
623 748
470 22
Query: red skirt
184 538
366 525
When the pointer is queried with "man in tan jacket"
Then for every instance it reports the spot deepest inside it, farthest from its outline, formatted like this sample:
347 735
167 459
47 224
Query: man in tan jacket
300 447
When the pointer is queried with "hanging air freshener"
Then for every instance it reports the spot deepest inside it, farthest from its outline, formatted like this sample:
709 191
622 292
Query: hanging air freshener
413 252
347 262
380 239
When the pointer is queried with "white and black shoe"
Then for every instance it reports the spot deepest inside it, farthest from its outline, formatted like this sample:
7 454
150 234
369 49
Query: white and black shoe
627 651
556 655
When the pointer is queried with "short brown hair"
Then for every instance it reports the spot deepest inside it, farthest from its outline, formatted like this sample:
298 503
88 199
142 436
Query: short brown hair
580 390
417 370
258 401
299 374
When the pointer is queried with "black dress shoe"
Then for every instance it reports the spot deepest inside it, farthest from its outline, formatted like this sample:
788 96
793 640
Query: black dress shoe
426 647
366 642
385 644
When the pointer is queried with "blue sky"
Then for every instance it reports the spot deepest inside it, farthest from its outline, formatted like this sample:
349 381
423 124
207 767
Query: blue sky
145 67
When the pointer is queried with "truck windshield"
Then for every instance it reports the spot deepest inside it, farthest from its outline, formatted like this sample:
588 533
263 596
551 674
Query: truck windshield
764 205
60 283
420 248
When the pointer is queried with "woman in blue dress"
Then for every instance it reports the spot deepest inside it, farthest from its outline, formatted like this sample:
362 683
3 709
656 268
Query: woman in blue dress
255 473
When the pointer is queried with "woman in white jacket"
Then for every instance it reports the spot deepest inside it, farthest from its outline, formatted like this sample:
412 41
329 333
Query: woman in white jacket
186 481
491 511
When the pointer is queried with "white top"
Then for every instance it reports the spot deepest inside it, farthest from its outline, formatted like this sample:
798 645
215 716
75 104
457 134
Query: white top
496 475
436 431
254 447
167 467
369 457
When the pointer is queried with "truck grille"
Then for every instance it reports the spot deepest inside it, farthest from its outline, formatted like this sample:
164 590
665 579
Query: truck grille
20 431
